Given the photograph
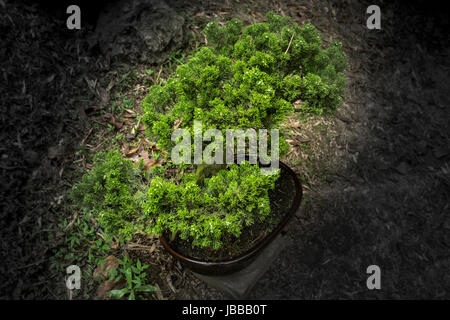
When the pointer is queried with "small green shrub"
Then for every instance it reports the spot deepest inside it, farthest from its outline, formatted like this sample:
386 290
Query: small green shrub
114 191
248 78
226 203
135 277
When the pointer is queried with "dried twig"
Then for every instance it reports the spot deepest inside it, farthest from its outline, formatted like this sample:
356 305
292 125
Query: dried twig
290 41
159 74
73 220
136 246
86 136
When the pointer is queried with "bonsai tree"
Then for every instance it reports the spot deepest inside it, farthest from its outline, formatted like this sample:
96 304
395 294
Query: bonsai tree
244 78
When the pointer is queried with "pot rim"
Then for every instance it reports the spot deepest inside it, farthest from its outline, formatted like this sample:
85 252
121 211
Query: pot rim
260 244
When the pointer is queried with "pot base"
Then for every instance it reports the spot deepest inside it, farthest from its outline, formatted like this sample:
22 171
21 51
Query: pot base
238 285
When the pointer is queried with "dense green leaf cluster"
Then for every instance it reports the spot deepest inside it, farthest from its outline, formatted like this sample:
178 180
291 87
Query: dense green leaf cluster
223 206
248 78
115 192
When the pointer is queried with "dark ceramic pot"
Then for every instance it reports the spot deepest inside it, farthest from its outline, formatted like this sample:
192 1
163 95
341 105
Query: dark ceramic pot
243 260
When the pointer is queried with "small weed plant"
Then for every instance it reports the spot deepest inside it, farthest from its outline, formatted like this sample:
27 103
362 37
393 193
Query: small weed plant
136 279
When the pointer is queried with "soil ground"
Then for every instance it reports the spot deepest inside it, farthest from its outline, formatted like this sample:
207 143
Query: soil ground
376 175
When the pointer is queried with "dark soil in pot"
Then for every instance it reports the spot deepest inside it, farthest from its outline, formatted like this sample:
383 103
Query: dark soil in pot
284 201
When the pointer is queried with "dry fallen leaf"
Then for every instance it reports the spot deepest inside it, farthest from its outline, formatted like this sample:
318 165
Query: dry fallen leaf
151 145
148 163
72 221
109 285
130 113
116 123
91 84
295 124
110 86
297 104
134 150
292 142
177 123
102 272
114 243
82 113
151 163
169 282
103 95
303 140
158 293
125 148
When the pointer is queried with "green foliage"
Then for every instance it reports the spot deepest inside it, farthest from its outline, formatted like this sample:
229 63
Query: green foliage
226 203
115 192
79 245
205 171
248 78
135 277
